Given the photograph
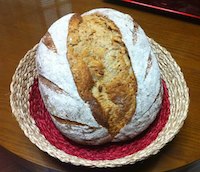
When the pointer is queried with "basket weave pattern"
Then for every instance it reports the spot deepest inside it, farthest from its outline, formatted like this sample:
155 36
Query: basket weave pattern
109 151
24 77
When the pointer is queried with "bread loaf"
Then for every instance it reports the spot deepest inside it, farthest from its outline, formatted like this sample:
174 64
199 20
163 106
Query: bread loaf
98 77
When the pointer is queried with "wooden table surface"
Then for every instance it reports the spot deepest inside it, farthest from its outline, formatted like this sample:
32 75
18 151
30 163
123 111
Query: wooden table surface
22 24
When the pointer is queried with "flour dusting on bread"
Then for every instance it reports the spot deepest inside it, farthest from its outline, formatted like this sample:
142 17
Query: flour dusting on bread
99 78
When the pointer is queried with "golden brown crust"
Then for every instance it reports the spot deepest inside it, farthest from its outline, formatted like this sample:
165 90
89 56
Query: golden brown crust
149 64
72 123
81 74
47 40
102 70
49 84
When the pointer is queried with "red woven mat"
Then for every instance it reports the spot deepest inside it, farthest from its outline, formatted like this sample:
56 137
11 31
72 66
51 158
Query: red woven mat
104 152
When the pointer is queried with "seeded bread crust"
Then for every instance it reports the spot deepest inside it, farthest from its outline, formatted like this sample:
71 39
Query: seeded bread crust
102 70
98 77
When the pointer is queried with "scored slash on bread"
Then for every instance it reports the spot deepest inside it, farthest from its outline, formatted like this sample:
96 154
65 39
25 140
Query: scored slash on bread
98 58
107 74
47 40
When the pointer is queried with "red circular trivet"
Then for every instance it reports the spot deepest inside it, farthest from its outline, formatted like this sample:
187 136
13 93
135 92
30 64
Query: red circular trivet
109 151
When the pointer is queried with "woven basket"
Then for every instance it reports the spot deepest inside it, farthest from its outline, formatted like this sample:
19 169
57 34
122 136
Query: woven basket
178 96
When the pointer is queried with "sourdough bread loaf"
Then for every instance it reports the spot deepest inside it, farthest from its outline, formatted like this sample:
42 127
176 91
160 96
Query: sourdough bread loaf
98 77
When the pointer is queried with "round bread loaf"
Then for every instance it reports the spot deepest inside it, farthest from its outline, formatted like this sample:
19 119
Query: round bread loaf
98 77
